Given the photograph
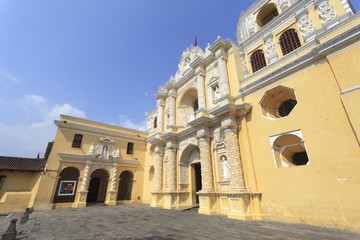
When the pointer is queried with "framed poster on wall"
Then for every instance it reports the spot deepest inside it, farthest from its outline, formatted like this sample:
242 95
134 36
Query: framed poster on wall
67 188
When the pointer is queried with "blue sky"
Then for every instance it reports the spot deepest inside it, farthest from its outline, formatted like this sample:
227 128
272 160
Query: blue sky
100 60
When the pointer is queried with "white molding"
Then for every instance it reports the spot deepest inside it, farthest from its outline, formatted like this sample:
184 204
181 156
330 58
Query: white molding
350 90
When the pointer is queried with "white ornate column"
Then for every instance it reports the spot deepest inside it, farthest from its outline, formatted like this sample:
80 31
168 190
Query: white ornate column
159 153
207 196
223 77
85 177
237 181
172 99
171 196
200 84
111 195
205 158
113 177
160 117
171 168
80 200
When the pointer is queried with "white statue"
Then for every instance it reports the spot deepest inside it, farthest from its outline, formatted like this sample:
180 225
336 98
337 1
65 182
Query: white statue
117 153
217 92
225 167
192 116
104 152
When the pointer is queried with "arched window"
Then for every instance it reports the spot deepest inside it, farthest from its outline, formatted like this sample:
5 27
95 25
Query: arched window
289 41
257 60
196 105
289 150
155 122
266 14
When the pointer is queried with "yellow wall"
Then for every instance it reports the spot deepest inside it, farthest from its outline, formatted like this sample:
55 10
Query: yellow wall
18 190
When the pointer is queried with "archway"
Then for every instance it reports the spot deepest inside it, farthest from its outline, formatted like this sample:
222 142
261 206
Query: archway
66 187
125 186
197 185
191 157
98 186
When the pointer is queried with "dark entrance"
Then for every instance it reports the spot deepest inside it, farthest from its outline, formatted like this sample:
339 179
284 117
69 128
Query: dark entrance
198 185
97 186
125 186
93 189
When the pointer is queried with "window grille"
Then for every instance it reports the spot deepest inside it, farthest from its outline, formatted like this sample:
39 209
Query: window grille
289 41
257 60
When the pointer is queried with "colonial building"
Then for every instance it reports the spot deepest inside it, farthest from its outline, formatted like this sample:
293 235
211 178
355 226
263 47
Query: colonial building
265 128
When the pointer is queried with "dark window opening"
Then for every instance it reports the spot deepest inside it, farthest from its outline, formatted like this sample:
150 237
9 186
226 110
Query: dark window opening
286 107
155 122
257 60
289 41
270 17
266 14
300 158
2 178
130 147
77 141
196 105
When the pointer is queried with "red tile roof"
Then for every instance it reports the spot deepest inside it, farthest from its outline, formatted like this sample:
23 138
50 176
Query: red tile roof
22 164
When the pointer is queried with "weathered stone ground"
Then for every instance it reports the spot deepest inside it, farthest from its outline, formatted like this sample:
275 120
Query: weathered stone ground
142 222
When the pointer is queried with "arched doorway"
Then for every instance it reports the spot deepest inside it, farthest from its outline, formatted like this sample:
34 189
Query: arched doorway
98 186
197 185
190 172
125 186
66 188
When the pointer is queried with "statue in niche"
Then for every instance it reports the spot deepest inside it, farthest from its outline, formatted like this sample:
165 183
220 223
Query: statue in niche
104 152
192 116
225 168
217 92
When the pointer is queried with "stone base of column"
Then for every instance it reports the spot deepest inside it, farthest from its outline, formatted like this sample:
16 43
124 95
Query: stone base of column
171 200
157 199
244 206
80 201
111 198
207 203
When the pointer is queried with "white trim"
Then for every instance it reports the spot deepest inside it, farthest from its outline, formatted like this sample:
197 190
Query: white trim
350 89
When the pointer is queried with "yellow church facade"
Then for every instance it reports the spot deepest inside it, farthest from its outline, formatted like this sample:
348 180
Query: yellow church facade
265 128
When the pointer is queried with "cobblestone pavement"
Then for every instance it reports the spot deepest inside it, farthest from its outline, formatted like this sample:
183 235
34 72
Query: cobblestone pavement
142 222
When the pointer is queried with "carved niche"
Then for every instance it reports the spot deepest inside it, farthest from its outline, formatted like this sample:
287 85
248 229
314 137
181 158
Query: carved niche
104 149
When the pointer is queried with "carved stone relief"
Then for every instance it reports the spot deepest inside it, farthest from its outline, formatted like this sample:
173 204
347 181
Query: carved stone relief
283 4
250 24
306 26
271 53
326 12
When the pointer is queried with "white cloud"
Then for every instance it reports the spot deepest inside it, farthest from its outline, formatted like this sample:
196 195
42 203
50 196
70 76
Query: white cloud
26 140
7 76
125 121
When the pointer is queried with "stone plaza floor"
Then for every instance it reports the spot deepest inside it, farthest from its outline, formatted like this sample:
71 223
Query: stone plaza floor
141 222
